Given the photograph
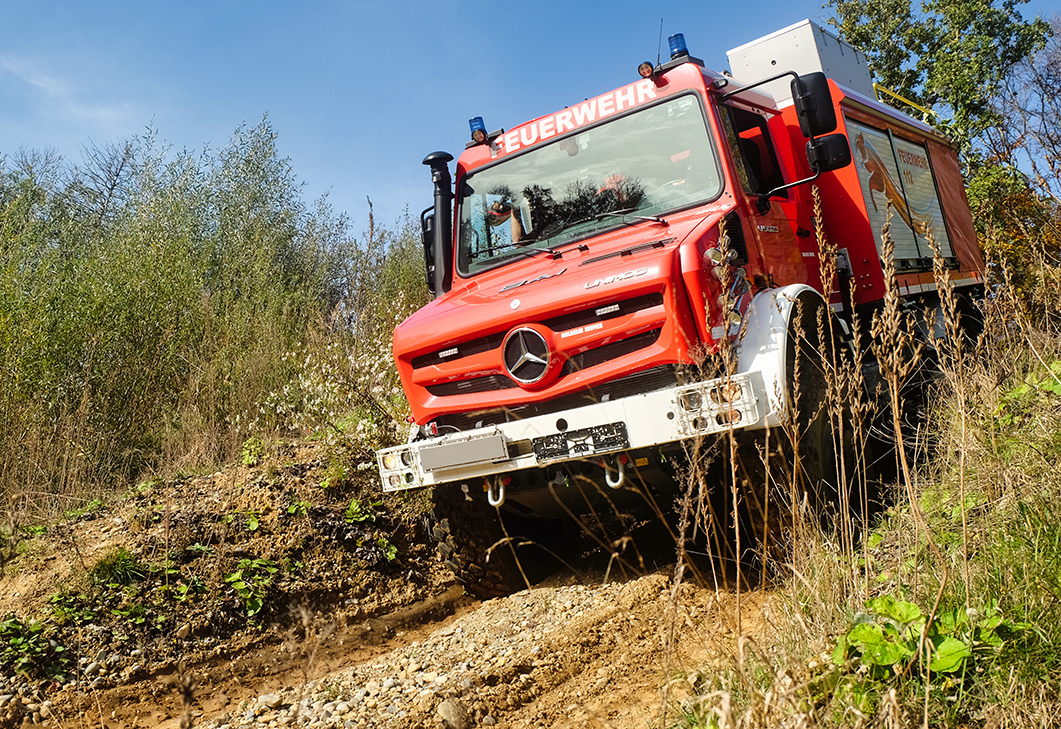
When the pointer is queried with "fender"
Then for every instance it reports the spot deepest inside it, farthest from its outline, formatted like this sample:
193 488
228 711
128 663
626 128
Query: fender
764 345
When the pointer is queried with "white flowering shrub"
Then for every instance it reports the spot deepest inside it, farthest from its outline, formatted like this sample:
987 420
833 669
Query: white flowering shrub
344 387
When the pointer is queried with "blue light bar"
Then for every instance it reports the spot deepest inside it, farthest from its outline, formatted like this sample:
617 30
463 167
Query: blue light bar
478 129
677 46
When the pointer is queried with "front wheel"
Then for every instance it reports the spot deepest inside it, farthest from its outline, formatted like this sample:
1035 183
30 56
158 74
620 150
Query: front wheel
464 529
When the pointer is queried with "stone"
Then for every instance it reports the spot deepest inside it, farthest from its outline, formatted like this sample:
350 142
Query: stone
453 714
270 700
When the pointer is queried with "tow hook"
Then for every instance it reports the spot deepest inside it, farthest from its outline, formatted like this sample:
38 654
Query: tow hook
495 493
618 468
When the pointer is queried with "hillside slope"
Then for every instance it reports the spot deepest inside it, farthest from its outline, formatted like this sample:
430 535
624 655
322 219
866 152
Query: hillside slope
218 596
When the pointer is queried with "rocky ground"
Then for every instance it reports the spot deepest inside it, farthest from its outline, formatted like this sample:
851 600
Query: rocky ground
284 592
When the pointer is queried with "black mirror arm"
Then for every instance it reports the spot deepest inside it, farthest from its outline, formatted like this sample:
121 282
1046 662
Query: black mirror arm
793 74
762 205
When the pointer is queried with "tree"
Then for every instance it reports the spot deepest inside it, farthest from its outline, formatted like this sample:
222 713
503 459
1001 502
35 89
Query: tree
952 56
1029 135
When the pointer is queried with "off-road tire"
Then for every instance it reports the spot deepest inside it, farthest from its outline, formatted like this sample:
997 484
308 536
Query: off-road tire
464 530
808 350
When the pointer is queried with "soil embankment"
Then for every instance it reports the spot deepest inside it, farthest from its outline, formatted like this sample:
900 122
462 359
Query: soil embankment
269 595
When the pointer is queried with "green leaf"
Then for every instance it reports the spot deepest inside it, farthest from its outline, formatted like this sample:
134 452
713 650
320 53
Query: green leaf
887 653
898 610
840 652
991 622
949 655
878 648
1051 385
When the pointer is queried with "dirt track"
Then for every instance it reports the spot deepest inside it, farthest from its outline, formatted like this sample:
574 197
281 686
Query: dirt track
558 655
349 639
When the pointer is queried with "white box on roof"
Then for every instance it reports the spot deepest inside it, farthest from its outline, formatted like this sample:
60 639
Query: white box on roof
803 48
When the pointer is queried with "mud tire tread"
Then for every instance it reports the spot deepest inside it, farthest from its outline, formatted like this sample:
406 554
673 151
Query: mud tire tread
463 529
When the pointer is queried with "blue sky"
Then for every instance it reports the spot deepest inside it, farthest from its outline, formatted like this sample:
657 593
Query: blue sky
358 92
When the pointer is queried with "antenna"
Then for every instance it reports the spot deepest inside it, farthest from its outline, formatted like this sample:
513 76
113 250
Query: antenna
660 44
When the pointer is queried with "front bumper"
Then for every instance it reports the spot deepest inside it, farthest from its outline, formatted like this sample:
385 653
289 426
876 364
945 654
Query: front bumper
639 421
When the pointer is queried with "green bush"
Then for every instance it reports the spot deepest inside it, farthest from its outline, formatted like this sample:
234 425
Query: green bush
250 582
158 307
118 567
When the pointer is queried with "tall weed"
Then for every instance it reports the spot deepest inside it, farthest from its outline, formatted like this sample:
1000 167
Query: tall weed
947 610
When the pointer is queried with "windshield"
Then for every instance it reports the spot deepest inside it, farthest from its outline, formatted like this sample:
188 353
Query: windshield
647 163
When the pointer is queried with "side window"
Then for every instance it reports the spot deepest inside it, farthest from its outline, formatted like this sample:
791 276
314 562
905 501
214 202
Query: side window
752 148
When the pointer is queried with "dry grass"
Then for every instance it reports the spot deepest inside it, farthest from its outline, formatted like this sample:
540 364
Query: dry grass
967 527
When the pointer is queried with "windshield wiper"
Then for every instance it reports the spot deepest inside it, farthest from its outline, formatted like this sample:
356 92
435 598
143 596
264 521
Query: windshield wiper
523 248
627 213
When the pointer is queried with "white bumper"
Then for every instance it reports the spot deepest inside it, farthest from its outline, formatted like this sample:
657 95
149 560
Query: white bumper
640 421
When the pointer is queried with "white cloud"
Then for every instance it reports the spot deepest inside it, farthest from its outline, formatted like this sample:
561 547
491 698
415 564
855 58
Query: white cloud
63 100
24 71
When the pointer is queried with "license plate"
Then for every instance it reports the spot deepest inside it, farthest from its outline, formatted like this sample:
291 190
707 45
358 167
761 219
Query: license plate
581 443
465 452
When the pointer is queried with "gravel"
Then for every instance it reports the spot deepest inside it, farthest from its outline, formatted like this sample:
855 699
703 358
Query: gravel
498 657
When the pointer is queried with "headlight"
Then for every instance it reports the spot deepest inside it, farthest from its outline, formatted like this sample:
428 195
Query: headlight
727 394
390 461
692 400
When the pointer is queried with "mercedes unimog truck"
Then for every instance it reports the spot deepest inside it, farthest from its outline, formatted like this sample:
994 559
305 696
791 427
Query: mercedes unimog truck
585 265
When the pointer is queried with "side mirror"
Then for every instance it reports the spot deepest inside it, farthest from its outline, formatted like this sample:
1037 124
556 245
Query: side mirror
814 104
831 152
427 239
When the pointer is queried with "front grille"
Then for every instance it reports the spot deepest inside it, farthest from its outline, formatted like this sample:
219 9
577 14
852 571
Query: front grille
464 349
600 355
590 316
650 380
608 352
556 324
490 383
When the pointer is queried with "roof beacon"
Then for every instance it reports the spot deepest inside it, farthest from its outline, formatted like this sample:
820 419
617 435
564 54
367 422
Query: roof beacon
677 46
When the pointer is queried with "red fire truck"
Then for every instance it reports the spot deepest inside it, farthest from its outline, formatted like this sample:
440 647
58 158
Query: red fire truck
578 278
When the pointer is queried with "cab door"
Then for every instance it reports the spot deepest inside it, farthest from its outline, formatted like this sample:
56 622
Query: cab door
783 239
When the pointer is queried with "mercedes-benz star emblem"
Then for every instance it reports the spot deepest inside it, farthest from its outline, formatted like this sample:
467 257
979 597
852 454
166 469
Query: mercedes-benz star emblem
526 356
